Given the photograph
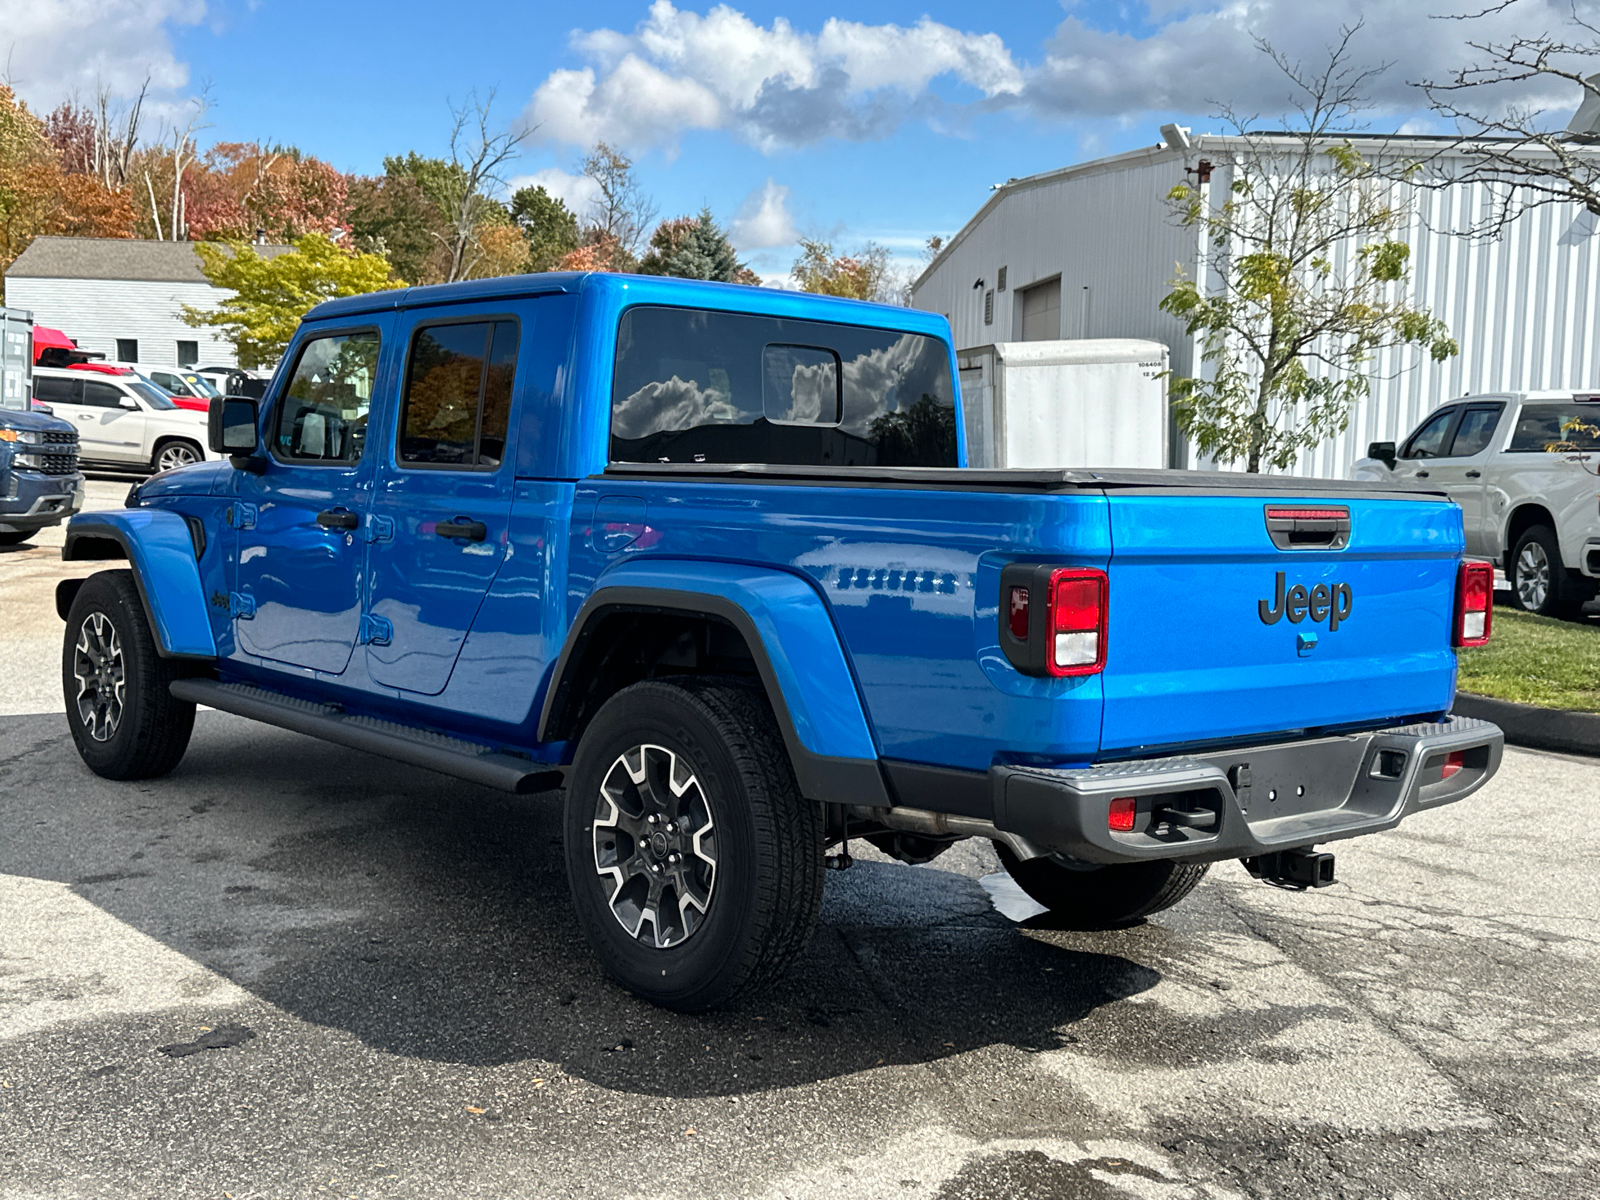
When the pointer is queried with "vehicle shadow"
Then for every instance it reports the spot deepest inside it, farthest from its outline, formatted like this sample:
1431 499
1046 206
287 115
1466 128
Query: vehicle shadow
430 919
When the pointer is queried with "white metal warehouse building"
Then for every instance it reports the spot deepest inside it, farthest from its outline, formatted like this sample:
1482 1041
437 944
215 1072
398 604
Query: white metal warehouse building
1089 251
122 297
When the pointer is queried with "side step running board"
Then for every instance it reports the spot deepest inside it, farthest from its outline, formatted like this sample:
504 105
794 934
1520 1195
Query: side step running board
435 751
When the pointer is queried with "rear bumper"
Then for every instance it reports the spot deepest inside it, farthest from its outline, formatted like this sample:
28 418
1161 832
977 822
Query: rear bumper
1248 801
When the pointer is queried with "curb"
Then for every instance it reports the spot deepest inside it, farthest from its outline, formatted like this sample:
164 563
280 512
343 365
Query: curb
1540 728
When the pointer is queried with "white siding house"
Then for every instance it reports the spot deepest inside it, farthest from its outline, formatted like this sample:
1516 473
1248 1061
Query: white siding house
1089 251
115 295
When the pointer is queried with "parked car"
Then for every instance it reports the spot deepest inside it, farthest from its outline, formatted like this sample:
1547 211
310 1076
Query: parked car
40 483
708 556
122 420
1523 467
236 381
188 388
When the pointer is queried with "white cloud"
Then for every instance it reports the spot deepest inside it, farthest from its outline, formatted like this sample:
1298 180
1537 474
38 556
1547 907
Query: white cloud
764 219
575 191
1206 53
772 85
54 49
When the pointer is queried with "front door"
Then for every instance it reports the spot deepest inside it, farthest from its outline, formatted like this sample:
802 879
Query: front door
301 548
1459 471
442 505
108 430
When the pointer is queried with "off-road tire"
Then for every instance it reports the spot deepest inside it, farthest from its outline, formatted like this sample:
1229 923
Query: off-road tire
16 537
769 842
152 728
1102 897
1561 597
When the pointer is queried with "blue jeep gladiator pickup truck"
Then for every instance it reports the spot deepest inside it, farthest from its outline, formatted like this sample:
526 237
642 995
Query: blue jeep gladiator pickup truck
706 557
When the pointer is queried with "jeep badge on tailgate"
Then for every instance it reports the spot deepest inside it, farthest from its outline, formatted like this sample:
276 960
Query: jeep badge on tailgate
1321 603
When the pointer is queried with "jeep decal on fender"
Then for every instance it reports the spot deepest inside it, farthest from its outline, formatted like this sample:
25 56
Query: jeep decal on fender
1321 603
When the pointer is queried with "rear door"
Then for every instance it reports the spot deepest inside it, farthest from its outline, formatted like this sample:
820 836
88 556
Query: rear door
1245 615
441 511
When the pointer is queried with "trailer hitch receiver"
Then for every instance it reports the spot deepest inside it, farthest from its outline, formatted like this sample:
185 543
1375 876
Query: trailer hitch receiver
1294 869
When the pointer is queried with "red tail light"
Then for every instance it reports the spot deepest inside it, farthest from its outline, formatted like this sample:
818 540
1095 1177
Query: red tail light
1077 624
1474 603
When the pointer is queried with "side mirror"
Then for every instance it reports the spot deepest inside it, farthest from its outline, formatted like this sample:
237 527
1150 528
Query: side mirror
128 402
1383 451
231 426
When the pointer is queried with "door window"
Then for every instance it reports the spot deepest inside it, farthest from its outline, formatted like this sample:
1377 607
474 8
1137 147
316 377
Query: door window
458 396
1429 441
1473 434
323 415
101 395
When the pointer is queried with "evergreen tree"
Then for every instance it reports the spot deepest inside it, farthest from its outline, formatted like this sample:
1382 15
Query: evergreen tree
694 248
549 225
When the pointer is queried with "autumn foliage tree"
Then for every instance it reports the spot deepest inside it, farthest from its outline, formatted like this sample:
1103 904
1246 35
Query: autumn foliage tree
269 295
865 275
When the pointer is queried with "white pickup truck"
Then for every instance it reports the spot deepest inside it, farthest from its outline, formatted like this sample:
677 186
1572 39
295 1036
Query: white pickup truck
1525 469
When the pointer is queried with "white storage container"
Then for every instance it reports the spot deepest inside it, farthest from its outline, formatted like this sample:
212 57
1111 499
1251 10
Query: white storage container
1090 403
16 358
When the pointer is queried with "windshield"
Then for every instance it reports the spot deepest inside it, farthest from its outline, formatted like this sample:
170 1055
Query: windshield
200 384
151 394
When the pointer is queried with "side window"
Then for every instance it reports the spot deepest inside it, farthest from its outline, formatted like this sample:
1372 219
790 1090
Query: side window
1556 429
101 395
1473 434
457 403
52 389
322 417
713 387
1428 442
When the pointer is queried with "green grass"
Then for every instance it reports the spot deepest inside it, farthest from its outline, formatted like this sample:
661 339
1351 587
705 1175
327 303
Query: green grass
1536 660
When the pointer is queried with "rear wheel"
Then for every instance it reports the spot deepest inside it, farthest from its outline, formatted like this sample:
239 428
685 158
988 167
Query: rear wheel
695 864
123 718
1540 583
1085 896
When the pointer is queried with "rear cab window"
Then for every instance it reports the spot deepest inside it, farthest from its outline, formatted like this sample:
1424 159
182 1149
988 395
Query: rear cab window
701 386
457 401
1556 428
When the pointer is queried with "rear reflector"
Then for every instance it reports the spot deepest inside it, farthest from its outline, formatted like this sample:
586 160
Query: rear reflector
1474 603
1453 762
1018 613
1124 809
1077 621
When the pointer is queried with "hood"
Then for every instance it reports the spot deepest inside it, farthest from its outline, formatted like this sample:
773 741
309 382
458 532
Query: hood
197 479
11 418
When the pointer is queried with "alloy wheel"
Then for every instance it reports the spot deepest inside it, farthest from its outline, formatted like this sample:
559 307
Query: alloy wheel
1533 577
101 673
655 846
174 456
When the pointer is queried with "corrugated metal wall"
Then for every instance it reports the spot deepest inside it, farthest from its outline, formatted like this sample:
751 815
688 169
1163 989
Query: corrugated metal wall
1525 309
96 312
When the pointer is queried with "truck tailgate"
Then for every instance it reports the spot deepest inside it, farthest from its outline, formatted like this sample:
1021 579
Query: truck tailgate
1203 647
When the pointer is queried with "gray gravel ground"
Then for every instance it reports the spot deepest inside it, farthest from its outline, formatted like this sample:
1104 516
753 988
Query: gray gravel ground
425 1021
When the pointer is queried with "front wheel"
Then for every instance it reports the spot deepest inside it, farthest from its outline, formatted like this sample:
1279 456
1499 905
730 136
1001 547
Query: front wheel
124 720
172 455
695 864
15 537
1085 896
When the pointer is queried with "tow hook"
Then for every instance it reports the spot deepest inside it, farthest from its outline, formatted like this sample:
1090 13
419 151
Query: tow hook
1293 869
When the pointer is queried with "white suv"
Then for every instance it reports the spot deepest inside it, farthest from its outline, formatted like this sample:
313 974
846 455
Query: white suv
1523 467
122 420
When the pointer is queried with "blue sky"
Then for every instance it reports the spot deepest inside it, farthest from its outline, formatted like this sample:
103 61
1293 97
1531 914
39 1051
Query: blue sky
880 120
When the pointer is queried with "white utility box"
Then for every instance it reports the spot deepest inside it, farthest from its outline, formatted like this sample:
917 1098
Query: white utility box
1098 402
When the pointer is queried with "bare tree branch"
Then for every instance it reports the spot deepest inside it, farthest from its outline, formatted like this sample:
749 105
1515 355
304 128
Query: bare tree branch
476 159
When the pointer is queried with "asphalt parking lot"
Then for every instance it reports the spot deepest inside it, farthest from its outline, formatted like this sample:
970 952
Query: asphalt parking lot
387 967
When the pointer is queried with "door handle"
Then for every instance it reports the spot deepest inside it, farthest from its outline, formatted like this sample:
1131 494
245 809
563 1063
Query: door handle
1420 475
1474 474
338 518
462 527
